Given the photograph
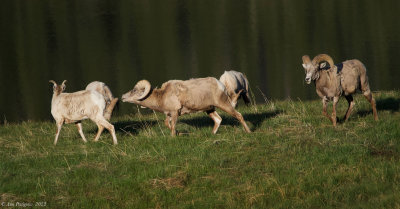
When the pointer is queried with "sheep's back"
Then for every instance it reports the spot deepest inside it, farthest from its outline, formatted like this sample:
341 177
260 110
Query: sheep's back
199 93
78 105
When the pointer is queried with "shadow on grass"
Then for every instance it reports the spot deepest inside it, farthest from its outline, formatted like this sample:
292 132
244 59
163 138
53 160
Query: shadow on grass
133 127
391 104
386 152
254 118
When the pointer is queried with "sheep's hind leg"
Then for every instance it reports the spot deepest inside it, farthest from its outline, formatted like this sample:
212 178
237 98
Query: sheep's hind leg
350 100
368 96
103 122
59 125
79 126
216 118
99 131
230 110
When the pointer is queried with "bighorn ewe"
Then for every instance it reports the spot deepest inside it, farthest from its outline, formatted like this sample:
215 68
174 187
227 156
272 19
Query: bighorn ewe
103 89
77 106
236 85
331 81
177 97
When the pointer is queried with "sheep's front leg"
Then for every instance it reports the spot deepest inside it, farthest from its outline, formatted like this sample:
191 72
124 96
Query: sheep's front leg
173 120
324 104
79 126
59 125
335 101
167 121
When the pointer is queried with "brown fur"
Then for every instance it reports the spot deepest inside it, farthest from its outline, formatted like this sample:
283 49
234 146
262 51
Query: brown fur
177 97
330 85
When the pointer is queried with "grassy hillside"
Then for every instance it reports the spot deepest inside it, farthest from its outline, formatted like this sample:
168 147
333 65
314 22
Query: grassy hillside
293 159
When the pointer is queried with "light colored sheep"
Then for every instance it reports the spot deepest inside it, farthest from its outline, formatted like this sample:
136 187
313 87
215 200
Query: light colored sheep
177 97
103 89
331 81
77 106
236 85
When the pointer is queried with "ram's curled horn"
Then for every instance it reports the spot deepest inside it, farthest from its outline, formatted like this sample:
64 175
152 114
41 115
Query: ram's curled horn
64 82
306 59
142 89
53 82
323 57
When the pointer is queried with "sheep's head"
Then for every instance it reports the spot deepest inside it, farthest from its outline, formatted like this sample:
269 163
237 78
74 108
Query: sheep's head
310 69
58 89
138 93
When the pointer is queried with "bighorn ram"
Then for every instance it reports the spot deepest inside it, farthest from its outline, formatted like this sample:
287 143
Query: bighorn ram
236 85
177 97
331 81
103 89
77 106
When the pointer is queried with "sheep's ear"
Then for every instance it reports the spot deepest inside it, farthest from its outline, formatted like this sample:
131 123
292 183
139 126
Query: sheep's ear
63 85
322 65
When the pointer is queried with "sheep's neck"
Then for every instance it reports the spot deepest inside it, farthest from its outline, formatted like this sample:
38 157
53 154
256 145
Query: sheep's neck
153 101
55 95
328 84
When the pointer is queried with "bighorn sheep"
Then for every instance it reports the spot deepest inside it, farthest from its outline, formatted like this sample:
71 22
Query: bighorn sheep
331 81
103 89
177 97
236 85
77 106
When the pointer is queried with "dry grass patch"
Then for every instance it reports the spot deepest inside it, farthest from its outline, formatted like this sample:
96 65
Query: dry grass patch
178 180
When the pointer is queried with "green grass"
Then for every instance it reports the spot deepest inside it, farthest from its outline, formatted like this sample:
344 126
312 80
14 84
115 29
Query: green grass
293 159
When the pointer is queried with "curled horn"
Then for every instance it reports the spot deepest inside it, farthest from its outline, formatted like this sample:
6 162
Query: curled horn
51 81
306 59
63 83
143 88
323 57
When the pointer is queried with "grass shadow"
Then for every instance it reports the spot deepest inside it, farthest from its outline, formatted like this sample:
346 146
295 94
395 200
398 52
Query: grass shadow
363 113
392 104
256 119
133 127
